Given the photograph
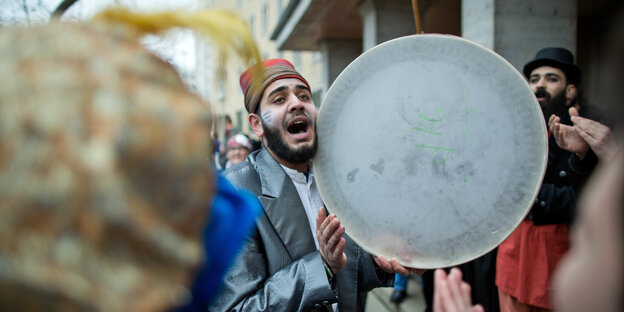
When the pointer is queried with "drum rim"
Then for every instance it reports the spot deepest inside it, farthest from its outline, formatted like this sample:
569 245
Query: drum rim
541 167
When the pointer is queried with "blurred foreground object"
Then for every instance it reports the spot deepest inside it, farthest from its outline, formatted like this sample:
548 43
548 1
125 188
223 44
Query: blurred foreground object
104 174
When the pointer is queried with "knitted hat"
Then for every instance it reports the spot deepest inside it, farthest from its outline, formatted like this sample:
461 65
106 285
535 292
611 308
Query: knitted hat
239 139
254 88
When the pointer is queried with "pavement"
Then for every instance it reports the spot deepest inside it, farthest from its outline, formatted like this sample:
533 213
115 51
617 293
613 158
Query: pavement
378 300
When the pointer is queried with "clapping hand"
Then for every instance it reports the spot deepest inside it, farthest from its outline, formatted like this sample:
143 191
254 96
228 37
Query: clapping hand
329 233
585 134
566 136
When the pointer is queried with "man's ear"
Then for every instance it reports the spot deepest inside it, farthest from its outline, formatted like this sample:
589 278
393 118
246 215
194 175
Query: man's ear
571 93
256 125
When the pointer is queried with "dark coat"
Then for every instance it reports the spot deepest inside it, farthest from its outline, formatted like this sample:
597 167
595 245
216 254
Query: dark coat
564 177
280 269
555 204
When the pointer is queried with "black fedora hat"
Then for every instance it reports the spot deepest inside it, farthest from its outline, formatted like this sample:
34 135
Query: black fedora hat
556 57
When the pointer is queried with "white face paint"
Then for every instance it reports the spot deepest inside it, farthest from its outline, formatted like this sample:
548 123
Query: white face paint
268 116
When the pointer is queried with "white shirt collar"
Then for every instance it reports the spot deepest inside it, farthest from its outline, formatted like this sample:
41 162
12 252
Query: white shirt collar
299 177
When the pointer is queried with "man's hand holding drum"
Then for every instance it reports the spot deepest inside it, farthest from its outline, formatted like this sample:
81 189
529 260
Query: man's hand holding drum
329 232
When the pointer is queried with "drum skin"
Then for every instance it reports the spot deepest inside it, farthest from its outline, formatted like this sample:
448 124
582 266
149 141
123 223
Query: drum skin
431 151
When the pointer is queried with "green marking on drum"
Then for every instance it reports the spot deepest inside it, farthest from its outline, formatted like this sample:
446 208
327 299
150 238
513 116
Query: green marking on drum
432 121
425 131
436 149
468 117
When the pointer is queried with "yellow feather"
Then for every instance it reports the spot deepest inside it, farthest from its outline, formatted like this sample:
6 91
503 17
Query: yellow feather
228 31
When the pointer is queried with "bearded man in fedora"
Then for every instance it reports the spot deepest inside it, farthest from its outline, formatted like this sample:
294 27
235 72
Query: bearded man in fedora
527 258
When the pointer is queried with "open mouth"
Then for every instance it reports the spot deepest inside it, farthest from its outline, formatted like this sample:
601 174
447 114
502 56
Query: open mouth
541 95
298 126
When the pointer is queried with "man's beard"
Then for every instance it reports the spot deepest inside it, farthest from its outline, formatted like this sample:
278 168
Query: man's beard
556 105
280 147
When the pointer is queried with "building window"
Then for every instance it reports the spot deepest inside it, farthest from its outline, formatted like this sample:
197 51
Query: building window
265 18
239 120
297 59
316 56
316 96
239 4
252 25
280 7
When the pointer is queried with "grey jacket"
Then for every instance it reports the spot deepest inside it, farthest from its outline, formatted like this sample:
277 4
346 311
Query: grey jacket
279 268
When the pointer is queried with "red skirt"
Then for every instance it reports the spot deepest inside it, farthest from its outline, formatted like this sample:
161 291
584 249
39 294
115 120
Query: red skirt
526 261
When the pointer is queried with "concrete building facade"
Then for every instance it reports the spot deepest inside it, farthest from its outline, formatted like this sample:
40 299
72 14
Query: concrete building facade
321 37
515 29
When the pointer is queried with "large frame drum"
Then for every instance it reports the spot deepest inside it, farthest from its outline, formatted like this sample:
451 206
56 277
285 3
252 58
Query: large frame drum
432 150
